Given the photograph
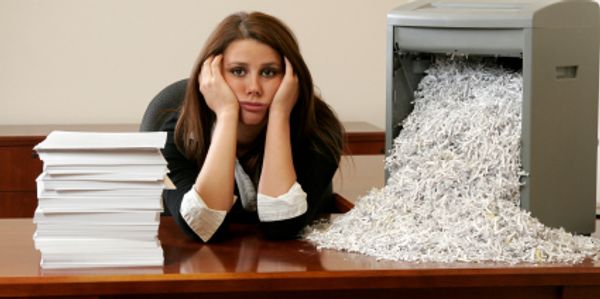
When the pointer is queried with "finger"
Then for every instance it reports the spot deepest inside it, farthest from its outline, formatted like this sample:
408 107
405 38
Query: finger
207 63
289 70
216 66
205 71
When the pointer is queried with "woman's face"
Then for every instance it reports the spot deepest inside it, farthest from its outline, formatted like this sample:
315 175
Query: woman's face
254 72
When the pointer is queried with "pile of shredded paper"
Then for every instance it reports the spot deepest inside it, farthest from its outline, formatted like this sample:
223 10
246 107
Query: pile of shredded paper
453 191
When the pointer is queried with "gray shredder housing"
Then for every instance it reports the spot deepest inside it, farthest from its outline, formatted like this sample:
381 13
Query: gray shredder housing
556 45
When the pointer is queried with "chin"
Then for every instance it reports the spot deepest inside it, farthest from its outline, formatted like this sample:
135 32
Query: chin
253 121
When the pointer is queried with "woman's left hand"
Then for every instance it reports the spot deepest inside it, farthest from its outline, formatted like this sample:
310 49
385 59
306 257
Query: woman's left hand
286 96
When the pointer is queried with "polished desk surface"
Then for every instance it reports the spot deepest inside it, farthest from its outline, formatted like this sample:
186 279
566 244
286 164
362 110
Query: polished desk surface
245 262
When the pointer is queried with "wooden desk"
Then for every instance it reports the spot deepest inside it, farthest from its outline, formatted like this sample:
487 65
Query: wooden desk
19 166
357 175
246 265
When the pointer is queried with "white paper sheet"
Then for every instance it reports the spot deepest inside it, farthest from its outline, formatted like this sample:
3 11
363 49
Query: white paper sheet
64 140
92 158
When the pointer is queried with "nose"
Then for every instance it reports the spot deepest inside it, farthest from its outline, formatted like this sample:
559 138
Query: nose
253 85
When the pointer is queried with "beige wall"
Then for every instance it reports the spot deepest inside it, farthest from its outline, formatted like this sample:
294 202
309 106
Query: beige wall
101 61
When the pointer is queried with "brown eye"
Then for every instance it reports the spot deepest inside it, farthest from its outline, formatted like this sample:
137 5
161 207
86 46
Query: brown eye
238 71
268 72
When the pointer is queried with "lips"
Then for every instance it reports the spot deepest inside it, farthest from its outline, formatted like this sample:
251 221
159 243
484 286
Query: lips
253 107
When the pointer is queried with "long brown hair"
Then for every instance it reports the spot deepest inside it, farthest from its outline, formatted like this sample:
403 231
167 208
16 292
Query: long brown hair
312 122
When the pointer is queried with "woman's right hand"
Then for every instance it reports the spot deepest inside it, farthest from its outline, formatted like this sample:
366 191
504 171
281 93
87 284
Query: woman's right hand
218 95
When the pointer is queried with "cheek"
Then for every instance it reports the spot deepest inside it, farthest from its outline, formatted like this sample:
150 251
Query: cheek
272 87
235 84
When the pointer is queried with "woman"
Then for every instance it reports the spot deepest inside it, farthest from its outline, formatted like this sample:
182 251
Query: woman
252 140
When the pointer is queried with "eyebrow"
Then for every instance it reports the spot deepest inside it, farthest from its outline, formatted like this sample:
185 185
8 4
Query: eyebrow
271 64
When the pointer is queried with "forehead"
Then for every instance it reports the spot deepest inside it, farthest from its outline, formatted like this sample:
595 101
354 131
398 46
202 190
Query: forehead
250 51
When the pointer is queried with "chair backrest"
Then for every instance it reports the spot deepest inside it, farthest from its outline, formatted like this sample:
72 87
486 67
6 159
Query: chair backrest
162 105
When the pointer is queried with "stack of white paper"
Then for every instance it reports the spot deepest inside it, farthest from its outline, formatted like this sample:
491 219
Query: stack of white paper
99 199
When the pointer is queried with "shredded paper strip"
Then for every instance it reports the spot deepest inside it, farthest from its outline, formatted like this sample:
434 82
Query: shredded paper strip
453 191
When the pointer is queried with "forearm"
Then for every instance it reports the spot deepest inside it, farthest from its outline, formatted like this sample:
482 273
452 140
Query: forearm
278 173
215 182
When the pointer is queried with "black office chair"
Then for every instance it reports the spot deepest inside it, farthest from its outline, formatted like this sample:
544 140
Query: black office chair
166 102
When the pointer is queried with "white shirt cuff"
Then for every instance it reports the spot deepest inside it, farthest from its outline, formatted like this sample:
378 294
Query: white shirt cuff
203 220
286 206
